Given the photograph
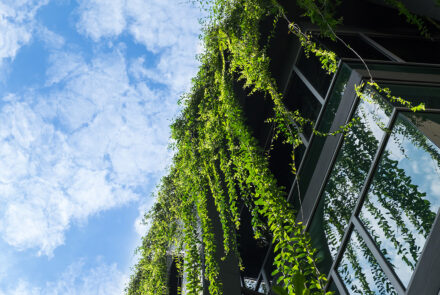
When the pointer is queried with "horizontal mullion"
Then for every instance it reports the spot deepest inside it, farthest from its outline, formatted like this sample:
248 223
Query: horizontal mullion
404 109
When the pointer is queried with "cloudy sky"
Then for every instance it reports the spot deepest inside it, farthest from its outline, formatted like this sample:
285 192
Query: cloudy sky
88 89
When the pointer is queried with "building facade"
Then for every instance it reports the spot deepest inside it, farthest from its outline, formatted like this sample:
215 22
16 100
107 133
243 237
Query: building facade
369 197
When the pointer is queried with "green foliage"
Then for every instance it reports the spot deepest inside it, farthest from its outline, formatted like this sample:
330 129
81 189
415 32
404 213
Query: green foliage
322 13
410 17
387 93
218 161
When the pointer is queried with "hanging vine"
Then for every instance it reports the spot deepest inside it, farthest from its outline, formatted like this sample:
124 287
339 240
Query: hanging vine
218 161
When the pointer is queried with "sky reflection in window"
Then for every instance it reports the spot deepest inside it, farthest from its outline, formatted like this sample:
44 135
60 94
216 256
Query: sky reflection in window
404 196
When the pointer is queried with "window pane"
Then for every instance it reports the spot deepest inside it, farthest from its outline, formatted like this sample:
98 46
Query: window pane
363 48
404 196
351 168
333 288
429 95
300 98
324 125
311 68
411 49
360 271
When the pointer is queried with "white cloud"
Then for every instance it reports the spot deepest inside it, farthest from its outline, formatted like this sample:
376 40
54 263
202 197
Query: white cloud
102 279
99 134
63 65
16 25
101 18
51 39
91 144
168 28
140 226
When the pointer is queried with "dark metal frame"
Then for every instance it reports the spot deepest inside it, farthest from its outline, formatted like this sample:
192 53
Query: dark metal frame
429 261
380 48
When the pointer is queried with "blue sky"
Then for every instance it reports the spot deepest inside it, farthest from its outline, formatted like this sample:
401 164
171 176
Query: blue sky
88 90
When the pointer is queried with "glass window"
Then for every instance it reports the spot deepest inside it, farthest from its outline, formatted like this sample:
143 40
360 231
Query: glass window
404 196
429 95
411 49
363 48
337 92
333 288
351 167
311 68
360 271
328 115
300 98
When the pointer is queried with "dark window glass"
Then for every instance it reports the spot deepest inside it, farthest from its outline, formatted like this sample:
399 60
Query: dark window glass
412 50
333 288
324 125
360 271
278 163
429 95
268 267
300 98
334 100
320 239
312 70
299 154
364 49
351 167
404 196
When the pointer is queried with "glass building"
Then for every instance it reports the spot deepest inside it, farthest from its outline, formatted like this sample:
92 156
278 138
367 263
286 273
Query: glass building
370 197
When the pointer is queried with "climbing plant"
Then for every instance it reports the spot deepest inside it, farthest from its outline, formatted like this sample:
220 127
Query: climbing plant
217 161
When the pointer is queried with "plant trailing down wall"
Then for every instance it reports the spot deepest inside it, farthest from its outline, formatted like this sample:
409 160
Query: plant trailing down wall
217 157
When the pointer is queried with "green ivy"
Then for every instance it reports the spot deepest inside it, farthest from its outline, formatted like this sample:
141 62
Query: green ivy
217 160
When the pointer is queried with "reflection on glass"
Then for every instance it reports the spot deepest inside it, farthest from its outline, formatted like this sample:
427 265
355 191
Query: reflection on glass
360 271
334 100
351 167
328 115
404 196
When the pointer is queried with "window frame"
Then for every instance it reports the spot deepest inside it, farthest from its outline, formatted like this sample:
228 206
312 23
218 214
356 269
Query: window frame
424 279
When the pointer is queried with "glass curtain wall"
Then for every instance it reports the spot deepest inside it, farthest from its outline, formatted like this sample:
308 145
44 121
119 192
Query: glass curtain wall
381 198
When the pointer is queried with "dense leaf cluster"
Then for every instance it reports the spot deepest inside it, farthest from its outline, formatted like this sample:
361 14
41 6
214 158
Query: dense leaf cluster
218 160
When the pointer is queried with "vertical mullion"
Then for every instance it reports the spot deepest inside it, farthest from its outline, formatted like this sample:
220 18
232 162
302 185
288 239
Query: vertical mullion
336 278
266 281
383 263
286 87
375 163
332 162
304 139
344 242
257 285
292 188
266 258
365 188
312 136
318 120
